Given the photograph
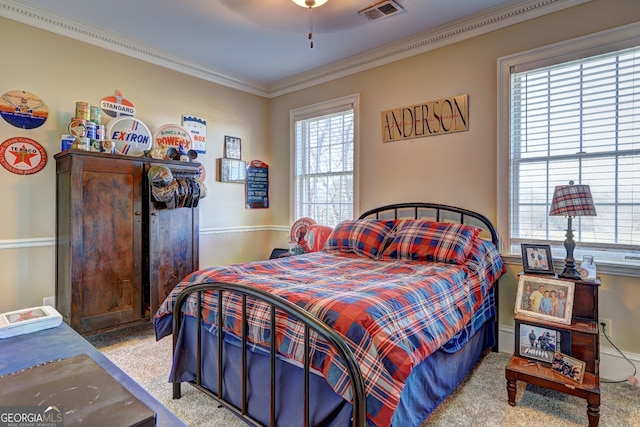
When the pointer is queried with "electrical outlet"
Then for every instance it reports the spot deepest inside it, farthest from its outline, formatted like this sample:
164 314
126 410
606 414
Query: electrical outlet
606 323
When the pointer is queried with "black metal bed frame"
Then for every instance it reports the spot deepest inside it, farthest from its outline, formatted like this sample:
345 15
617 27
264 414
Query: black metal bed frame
417 210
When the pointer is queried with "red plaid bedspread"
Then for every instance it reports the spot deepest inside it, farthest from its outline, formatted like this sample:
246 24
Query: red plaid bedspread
392 314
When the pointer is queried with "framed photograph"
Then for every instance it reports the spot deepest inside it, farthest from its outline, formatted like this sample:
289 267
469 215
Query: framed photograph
568 367
230 170
544 298
537 259
540 343
232 147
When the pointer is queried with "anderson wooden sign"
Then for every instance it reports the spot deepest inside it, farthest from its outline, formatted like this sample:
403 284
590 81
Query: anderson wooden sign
431 118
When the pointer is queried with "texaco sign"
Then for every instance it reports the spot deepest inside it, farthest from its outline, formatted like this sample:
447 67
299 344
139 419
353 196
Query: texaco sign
22 156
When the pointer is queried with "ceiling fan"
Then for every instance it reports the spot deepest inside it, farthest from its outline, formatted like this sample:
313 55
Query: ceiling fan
310 4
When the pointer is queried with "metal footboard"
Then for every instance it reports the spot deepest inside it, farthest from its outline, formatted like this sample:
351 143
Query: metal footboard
310 323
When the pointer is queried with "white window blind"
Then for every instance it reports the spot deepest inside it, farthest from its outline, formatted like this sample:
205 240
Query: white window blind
324 165
579 121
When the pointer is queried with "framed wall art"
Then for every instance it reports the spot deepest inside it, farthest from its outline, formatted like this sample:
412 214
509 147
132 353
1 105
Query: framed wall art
537 259
232 147
540 343
231 170
544 298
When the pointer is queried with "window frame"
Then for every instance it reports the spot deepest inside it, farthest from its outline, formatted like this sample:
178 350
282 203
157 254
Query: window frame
349 102
594 44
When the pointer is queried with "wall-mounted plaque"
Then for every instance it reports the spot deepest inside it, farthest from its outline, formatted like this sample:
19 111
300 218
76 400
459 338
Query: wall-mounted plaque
197 127
430 118
257 187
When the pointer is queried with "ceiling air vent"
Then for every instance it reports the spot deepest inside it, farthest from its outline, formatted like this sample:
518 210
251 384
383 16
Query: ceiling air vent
381 10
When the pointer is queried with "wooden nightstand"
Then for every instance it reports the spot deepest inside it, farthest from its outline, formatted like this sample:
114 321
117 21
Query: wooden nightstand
585 346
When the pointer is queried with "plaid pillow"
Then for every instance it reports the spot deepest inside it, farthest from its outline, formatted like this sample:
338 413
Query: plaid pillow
420 240
364 237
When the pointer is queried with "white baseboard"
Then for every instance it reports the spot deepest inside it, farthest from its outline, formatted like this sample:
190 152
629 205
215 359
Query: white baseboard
613 366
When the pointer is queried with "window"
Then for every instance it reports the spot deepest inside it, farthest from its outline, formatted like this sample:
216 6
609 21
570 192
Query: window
324 160
571 116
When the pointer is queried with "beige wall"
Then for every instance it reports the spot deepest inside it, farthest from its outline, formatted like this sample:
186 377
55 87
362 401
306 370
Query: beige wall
62 71
460 168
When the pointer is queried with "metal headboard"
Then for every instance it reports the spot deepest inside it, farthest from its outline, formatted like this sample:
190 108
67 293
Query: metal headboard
437 212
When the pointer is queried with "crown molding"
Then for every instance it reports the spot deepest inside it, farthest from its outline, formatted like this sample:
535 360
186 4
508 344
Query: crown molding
463 29
26 13
454 32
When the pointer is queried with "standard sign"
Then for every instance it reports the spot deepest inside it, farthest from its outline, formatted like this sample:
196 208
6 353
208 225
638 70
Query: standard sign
431 118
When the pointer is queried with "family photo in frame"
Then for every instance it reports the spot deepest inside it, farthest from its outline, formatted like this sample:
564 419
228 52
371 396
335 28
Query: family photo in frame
568 367
537 259
540 343
536 342
544 298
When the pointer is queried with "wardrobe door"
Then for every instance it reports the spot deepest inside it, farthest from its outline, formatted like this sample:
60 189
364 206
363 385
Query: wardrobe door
99 254
173 243
110 265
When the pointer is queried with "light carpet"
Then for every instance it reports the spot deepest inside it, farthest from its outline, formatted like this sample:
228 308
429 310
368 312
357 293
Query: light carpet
481 400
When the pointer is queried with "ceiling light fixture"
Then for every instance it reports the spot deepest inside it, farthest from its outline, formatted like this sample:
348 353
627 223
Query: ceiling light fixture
310 4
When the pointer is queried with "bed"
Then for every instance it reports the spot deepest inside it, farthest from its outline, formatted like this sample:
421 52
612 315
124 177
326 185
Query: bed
377 328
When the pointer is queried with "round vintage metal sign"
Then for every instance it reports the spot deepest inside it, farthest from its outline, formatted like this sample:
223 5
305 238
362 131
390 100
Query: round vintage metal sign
23 109
130 136
22 156
173 136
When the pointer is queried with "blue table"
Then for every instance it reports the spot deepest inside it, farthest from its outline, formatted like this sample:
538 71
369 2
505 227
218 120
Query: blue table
61 342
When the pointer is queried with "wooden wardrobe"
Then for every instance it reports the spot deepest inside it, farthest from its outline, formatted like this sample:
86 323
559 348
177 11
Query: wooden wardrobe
118 251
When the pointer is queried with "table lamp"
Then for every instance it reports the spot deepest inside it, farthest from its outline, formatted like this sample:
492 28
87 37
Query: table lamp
571 200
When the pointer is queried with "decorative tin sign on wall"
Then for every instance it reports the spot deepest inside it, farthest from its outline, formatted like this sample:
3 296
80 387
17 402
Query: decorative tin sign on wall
23 109
257 186
22 156
197 127
430 118
171 135
117 106
129 135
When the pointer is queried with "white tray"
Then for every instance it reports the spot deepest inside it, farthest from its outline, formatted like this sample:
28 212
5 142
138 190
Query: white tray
28 320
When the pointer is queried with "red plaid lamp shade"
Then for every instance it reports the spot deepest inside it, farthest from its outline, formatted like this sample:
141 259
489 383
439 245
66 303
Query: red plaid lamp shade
572 200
